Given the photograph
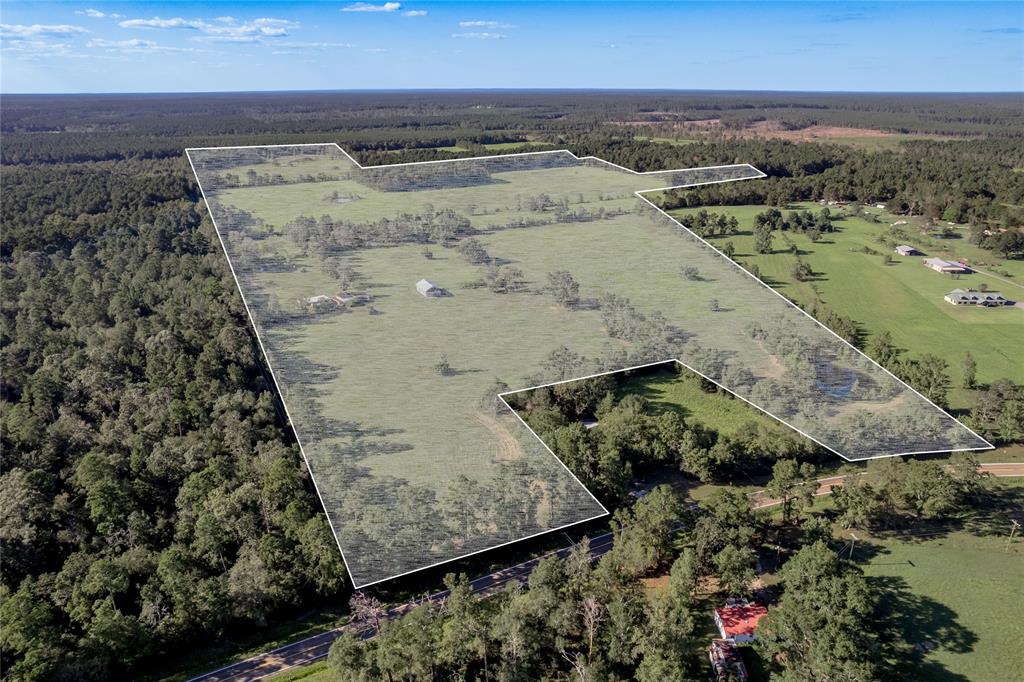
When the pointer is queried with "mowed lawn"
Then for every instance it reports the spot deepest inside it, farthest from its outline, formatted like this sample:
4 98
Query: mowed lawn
959 595
904 298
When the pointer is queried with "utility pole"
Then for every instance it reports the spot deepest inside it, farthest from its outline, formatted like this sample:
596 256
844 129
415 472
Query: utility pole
1013 529
852 542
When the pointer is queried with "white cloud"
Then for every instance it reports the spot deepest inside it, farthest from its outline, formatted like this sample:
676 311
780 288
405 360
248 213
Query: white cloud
369 7
294 46
96 14
485 35
221 29
36 49
135 46
484 24
157 22
20 31
415 13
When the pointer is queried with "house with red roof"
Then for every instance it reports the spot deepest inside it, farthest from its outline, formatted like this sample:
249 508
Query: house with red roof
737 622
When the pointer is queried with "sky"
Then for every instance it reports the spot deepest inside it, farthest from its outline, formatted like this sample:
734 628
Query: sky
243 46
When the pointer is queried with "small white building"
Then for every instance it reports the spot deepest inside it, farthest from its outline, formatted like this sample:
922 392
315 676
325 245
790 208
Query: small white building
428 289
945 266
905 250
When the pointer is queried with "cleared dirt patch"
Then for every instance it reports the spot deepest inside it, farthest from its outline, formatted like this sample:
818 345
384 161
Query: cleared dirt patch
508 446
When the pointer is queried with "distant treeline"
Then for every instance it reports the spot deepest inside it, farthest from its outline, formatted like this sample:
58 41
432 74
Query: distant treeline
98 127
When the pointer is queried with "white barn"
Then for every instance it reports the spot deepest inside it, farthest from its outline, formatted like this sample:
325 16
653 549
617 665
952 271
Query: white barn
429 289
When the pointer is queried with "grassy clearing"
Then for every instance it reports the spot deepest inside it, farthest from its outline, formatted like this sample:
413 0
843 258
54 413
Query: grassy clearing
384 415
876 143
505 146
904 298
684 393
959 592
678 142
523 145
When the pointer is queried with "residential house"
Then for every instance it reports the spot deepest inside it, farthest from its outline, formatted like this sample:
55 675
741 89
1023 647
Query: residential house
737 621
905 250
970 297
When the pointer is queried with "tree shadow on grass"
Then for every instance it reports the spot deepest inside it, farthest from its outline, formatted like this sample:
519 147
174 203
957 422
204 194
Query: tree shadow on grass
913 626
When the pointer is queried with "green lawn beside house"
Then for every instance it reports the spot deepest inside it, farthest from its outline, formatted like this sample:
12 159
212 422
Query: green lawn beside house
904 297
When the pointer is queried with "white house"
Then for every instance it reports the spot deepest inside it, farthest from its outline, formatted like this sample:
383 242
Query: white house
905 250
982 298
429 289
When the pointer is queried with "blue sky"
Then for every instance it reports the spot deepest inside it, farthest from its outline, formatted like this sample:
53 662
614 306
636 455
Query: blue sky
230 46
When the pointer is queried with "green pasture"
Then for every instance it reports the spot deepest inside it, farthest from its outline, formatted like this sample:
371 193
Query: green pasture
384 406
876 143
955 594
683 393
678 142
904 298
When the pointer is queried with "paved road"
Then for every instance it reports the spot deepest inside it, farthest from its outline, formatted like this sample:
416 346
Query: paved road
314 648
311 649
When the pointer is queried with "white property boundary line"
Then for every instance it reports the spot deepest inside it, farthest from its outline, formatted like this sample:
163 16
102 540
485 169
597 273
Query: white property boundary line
639 193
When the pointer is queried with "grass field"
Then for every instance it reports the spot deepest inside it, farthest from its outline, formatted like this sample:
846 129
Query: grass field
683 393
388 434
959 592
887 142
678 142
490 147
904 298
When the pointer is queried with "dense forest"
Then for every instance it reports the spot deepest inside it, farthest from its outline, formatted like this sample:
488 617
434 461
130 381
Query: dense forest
152 497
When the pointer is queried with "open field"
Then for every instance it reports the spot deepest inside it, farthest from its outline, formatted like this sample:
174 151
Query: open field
388 396
491 147
687 132
675 141
957 592
682 392
904 298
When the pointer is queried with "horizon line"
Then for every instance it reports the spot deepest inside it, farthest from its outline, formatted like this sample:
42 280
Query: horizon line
546 90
